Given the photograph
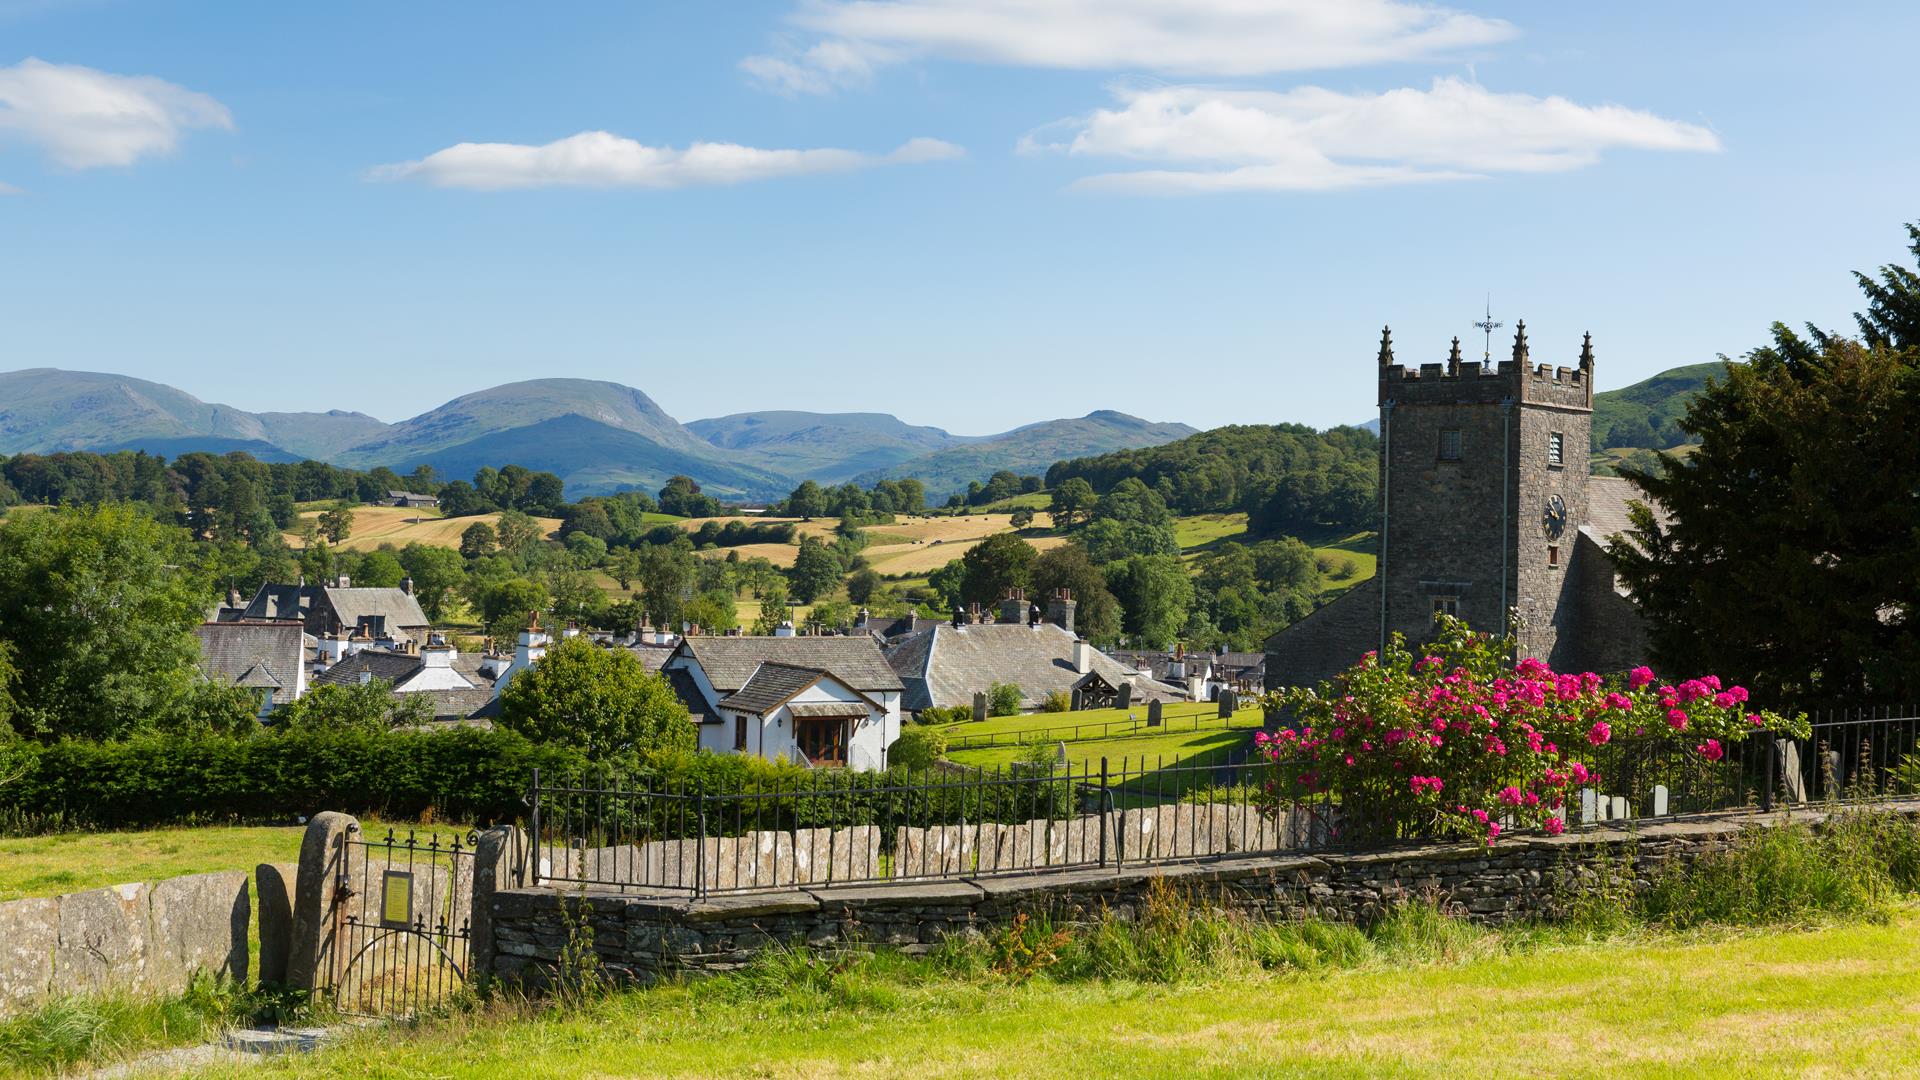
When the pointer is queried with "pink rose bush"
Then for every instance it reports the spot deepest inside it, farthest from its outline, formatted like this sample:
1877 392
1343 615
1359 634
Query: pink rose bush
1455 740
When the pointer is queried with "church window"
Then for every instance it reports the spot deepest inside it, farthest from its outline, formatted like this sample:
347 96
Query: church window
1447 605
1450 444
1556 449
1553 555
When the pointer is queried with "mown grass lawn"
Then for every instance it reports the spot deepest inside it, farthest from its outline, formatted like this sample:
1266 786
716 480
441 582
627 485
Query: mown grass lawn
1116 734
1830 1002
1125 753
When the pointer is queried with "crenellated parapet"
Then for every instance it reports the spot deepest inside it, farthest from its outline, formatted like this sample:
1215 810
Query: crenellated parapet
1463 382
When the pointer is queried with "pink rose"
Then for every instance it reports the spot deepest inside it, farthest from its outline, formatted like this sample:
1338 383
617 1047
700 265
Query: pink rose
1711 750
1555 826
1599 733
1639 677
1677 719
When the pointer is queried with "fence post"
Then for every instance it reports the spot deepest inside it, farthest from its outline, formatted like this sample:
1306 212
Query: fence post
533 828
1766 785
700 851
1106 797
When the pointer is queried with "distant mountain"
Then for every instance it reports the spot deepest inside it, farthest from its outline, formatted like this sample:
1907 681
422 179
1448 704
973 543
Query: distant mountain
320 435
1029 450
830 448
1642 416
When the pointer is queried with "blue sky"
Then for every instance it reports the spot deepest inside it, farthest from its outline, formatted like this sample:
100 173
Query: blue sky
1194 210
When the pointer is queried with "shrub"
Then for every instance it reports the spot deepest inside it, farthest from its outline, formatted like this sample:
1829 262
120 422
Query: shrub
918 747
1058 701
1003 699
1457 741
951 714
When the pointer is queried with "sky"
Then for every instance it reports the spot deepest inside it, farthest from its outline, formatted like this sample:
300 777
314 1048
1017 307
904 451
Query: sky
969 213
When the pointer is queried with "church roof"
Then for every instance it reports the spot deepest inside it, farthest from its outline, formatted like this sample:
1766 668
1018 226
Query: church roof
947 665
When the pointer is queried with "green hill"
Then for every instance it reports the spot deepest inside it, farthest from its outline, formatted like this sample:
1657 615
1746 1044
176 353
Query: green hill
1029 450
1641 416
829 448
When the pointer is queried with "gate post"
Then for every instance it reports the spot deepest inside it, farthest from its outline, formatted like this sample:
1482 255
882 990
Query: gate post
315 898
497 862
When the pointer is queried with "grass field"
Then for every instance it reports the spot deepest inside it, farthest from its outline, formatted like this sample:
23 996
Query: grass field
376 525
1124 753
1829 1002
1195 728
911 545
1197 532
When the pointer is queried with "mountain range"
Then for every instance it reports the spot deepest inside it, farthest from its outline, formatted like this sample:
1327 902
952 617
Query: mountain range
597 436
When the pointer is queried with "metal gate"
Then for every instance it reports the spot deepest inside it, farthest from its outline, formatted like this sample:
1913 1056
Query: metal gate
401 922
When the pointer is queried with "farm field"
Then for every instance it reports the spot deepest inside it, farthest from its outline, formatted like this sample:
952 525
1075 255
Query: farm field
399 526
1203 529
911 545
1827 1002
1129 752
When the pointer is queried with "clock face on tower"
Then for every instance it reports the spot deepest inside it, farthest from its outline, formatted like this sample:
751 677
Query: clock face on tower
1553 519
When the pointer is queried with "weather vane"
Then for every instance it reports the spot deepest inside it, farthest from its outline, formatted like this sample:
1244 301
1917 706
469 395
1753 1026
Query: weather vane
1488 326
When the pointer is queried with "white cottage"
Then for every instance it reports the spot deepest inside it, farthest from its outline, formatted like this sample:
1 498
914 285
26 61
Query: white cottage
822 701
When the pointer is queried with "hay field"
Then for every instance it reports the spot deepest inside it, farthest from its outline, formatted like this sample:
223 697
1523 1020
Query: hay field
399 526
908 546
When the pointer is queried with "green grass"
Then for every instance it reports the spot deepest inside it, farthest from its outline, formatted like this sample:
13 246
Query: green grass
69 862
1024 722
1201 530
1136 751
1416 998
1136 741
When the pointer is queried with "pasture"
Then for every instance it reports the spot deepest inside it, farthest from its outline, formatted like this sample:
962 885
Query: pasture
400 526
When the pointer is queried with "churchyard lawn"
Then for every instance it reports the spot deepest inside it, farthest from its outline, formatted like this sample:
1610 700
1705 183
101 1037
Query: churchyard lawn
1836 1001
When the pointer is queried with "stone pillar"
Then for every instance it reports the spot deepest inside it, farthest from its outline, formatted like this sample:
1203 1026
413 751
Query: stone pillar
311 943
275 884
499 862
979 705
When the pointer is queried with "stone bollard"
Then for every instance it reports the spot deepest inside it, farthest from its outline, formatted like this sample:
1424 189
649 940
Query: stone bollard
275 884
499 862
312 939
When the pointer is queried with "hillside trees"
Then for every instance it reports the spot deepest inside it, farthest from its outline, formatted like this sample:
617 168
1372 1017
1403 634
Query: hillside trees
1096 612
682 497
436 572
1787 558
995 565
816 570
336 524
1155 595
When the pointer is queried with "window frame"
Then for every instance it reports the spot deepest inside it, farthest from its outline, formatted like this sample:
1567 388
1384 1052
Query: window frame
1441 450
1556 449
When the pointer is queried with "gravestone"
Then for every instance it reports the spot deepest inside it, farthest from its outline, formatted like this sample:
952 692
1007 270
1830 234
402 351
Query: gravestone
1079 700
979 705
1589 806
1060 755
1791 781
1124 699
1229 703
1659 800
1153 713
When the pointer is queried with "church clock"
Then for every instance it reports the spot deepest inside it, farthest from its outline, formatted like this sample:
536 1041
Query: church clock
1553 519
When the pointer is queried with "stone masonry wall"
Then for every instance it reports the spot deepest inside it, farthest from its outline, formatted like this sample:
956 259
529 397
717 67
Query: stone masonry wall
139 938
642 938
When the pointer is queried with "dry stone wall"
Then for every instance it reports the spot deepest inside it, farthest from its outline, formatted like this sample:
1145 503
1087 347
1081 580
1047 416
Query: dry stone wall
644 937
138 938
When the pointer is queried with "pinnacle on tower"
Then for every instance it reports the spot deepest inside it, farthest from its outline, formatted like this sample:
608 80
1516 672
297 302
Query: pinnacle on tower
1586 351
1386 346
1520 343
1453 357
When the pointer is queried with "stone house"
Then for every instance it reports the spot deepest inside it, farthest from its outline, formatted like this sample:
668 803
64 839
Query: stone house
452 681
384 617
411 500
267 657
1487 506
821 701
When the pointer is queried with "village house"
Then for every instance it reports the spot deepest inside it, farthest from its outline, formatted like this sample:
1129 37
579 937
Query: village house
411 500
819 701
339 613
452 682
267 657
945 665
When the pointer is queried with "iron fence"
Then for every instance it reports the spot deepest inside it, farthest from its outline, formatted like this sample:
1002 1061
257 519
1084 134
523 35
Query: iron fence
831 827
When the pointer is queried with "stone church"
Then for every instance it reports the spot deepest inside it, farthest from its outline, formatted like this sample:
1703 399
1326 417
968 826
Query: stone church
1487 505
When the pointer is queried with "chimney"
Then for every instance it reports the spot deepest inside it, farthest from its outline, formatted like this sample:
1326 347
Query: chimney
366 677
343 582
959 616
233 597
785 629
527 651
437 654
1082 656
572 630
406 584
1033 616
860 620
1060 609
1013 606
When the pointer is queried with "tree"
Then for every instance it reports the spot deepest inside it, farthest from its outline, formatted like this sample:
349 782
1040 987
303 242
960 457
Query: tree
437 573
806 501
98 608
505 604
624 565
713 612
1107 540
864 585
683 497
379 570
1154 593
1072 499
1021 518
336 524
576 598
947 585
917 748
666 579
773 608
816 570
601 700
1001 562
516 530
1004 699
368 706
478 540
1096 615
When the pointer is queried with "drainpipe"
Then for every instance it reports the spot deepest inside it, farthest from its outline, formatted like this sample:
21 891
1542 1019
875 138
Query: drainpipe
1386 486
1506 498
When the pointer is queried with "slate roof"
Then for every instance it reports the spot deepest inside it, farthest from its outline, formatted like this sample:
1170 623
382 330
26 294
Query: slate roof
888 630
263 655
393 667
688 691
396 606
946 665
274 601
855 660
770 687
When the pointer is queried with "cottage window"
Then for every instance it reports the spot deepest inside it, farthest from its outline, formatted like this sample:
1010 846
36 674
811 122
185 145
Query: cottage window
1447 605
1556 449
1450 444
739 733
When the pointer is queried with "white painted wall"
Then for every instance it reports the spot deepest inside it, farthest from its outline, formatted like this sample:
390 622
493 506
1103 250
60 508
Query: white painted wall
772 737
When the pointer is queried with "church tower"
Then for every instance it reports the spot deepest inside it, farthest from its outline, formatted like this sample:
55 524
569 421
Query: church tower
1483 482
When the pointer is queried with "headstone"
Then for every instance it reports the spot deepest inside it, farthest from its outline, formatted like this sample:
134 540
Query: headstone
1791 780
1589 806
1153 713
1659 800
1060 755
1124 698
1620 811
1079 700
1229 703
979 705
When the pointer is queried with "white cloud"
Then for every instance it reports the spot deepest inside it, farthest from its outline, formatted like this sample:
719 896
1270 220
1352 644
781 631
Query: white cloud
1310 139
9 189
1217 38
82 118
602 159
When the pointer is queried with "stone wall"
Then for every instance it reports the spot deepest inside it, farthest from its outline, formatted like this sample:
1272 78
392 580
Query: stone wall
140 938
644 937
